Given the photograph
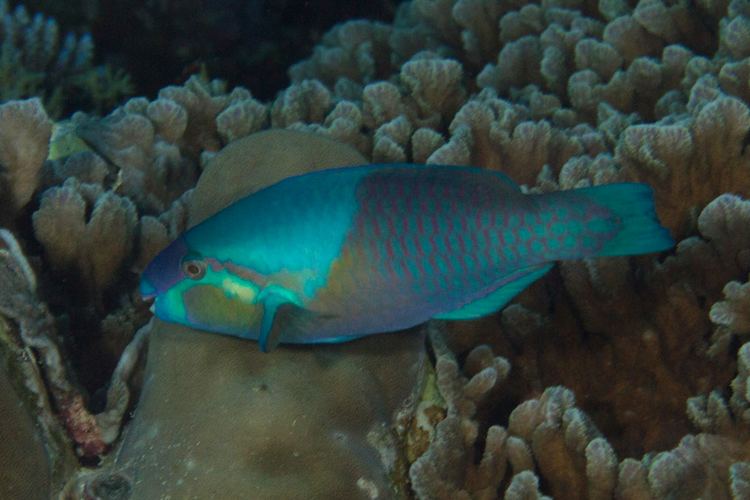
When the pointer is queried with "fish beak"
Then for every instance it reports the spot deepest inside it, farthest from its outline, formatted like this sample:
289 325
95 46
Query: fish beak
148 291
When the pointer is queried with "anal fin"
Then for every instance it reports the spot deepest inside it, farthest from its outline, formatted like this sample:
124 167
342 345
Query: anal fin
509 286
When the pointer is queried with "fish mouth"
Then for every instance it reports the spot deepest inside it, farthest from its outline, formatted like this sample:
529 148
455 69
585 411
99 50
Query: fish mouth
147 290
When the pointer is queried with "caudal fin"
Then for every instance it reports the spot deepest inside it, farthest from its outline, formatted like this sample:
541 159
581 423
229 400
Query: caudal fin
633 204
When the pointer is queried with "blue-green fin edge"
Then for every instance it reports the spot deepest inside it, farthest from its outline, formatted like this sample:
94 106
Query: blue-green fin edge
511 285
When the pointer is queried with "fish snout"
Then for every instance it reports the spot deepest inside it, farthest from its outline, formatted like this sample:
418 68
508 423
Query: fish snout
147 290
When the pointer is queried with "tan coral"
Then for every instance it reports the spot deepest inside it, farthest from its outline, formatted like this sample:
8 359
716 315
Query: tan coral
25 131
344 123
152 239
109 238
518 64
681 158
528 20
735 36
731 315
382 102
586 91
601 469
155 233
240 119
698 466
630 39
497 135
436 87
437 15
86 166
424 142
169 118
96 245
734 78
307 101
155 146
524 485
433 474
740 399
59 225
457 151
598 56
202 101
354 50
391 141
479 20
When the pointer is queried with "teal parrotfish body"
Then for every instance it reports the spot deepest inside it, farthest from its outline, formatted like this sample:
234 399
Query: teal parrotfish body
339 254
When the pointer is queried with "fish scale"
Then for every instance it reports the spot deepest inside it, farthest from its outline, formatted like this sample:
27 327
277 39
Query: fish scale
390 200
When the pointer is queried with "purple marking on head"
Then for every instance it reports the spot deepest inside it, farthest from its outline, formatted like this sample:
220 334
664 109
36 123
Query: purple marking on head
165 270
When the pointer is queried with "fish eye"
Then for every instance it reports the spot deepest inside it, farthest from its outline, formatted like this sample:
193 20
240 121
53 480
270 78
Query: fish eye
194 269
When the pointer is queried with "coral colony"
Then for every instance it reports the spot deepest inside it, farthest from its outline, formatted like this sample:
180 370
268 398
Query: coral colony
624 377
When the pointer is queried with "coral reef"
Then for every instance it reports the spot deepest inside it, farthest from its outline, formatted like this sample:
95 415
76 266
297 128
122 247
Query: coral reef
19 302
319 421
35 61
623 377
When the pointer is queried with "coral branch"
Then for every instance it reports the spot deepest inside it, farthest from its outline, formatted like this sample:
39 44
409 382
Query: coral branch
19 302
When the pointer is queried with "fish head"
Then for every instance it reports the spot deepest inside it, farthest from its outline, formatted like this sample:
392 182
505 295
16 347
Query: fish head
165 278
193 290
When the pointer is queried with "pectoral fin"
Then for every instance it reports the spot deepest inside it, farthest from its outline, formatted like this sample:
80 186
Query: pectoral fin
285 320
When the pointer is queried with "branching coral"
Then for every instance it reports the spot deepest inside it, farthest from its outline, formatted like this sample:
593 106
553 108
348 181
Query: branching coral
97 247
25 132
34 61
433 474
19 302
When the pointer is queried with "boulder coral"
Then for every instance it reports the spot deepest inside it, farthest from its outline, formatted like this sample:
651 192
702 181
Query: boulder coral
622 377
306 423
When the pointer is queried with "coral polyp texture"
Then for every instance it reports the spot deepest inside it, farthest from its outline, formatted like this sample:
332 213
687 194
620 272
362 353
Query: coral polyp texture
614 377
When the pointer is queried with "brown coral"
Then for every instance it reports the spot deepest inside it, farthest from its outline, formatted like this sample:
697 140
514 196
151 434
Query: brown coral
25 131
99 246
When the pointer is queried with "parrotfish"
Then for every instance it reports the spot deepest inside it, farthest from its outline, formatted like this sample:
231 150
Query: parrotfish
339 254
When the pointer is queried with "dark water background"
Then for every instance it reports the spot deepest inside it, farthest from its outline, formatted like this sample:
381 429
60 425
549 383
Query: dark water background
245 42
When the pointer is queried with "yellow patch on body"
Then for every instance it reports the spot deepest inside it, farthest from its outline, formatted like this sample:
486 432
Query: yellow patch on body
240 290
211 306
